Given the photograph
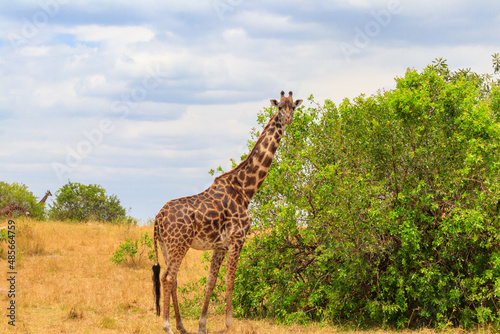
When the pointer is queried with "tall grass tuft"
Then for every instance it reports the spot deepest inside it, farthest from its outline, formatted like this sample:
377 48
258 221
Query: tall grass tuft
29 240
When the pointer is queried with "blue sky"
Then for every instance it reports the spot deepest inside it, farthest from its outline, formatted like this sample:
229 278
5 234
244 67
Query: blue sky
144 98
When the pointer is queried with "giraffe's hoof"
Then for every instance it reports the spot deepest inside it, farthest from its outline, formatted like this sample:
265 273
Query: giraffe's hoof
229 322
180 328
167 329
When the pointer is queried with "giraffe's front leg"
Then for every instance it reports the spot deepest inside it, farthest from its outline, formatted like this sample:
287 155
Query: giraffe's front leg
232 263
217 258
236 241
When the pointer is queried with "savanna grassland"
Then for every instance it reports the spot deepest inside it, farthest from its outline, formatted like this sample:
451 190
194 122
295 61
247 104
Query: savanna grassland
66 283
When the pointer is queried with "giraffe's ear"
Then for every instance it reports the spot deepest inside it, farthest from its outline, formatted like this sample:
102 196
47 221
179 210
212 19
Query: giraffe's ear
274 103
297 103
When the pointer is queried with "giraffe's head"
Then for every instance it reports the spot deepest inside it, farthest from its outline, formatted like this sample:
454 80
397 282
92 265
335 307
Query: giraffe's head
286 106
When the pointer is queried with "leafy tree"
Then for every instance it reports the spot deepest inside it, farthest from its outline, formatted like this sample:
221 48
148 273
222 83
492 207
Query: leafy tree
383 209
80 202
18 193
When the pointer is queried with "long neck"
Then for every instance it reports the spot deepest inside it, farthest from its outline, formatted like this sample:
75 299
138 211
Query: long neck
44 198
251 172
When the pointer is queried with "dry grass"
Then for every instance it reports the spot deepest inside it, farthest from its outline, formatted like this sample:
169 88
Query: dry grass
67 284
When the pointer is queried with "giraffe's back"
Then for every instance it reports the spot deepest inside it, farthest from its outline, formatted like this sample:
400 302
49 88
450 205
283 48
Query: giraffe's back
202 221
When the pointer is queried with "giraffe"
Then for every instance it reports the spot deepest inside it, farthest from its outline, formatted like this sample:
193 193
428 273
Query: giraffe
9 210
215 219
47 194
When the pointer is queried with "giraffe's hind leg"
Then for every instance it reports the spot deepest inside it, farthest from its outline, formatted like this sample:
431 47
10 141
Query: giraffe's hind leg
167 287
169 281
179 325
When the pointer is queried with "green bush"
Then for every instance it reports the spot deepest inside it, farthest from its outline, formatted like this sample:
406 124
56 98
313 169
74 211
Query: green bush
79 202
133 253
18 193
383 209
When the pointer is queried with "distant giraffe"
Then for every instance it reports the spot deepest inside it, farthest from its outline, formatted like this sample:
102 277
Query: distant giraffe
215 219
47 194
9 210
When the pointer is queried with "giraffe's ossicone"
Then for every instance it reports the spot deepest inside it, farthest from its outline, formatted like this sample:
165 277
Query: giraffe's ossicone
215 219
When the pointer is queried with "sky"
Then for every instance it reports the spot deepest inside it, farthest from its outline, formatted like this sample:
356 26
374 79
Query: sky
145 97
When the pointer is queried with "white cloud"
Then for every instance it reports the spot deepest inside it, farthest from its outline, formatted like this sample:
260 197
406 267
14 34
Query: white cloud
198 121
238 35
120 35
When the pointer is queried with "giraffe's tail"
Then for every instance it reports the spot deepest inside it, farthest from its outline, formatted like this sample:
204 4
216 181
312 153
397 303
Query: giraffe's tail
156 272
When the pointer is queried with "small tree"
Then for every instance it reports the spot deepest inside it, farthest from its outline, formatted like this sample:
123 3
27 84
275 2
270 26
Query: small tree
133 253
79 202
18 193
